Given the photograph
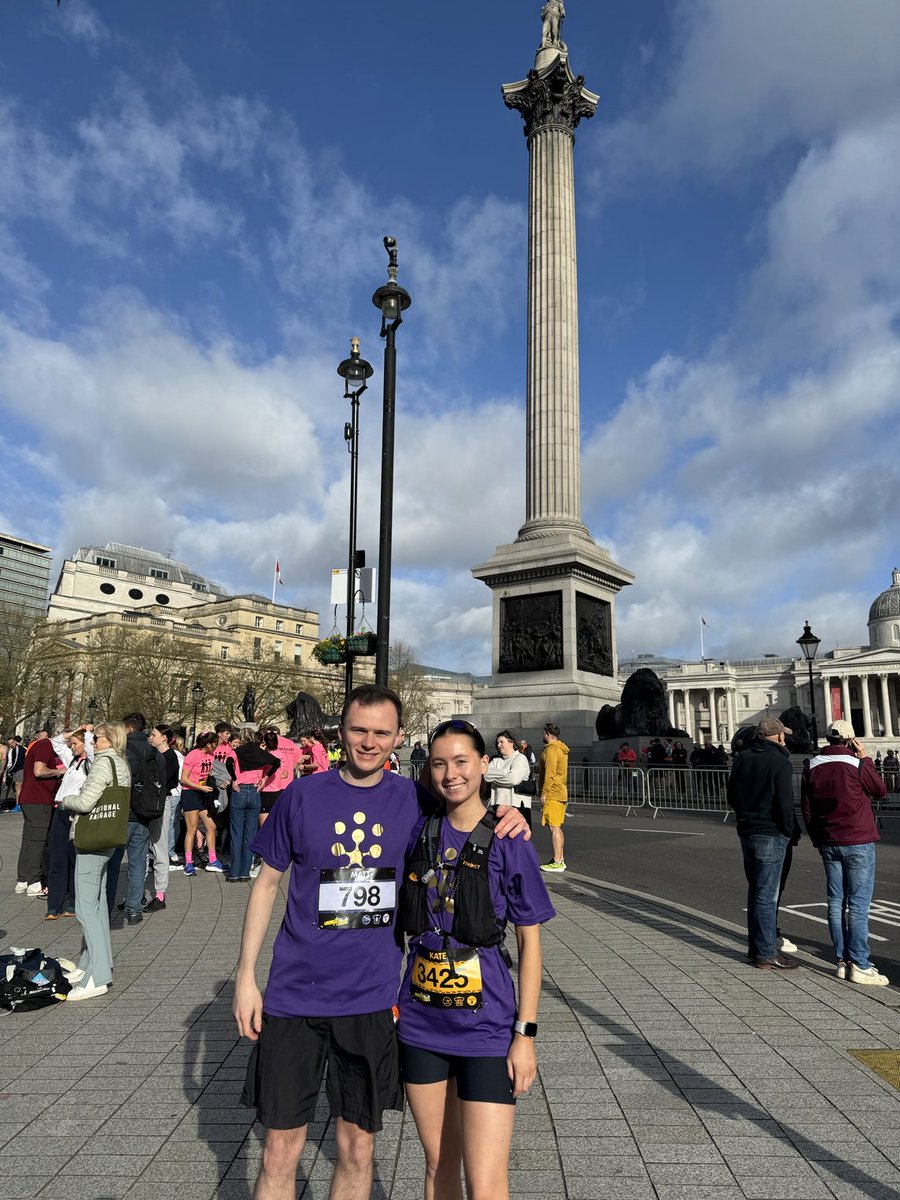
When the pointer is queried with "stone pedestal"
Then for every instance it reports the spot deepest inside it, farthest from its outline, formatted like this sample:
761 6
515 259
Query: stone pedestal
554 643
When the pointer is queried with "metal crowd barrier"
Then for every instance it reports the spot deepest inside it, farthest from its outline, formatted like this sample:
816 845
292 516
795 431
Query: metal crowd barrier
607 785
687 789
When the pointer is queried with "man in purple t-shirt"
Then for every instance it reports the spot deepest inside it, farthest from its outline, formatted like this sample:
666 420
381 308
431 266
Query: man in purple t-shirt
336 959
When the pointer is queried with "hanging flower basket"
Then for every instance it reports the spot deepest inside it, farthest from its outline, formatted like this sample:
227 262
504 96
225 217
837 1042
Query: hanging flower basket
361 643
331 650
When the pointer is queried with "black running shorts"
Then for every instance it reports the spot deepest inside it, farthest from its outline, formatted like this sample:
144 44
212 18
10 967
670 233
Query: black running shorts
289 1059
266 800
484 1079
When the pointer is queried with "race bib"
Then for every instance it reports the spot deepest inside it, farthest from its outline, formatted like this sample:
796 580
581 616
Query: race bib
357 898
440 984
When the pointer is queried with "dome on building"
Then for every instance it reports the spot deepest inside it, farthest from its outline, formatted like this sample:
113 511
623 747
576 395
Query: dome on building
884 615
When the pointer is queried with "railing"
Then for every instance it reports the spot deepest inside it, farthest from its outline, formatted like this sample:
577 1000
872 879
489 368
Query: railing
685 789
608 785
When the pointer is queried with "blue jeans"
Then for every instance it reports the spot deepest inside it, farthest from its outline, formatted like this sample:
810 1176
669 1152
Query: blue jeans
763 860
136 848
244 822
850 879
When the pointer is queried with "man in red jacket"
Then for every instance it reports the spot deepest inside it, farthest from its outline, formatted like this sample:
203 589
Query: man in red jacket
838 786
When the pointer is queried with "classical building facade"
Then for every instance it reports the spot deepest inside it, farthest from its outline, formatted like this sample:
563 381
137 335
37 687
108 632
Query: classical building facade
860 684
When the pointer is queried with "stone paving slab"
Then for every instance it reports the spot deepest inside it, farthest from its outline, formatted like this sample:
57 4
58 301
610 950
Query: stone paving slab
670 1070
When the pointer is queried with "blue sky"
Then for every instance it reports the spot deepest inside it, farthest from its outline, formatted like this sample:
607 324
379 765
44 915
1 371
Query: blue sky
192 202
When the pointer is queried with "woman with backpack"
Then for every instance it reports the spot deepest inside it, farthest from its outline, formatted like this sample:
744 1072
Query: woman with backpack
466 1041
93 974
254 765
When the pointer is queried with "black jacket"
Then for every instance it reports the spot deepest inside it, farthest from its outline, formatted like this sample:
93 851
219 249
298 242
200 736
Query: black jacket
760 791
137 747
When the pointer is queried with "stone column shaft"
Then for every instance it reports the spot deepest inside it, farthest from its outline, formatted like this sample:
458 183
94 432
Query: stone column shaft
713 715
553 440
826 701
671 700
886 707
688 722
867 707
845 697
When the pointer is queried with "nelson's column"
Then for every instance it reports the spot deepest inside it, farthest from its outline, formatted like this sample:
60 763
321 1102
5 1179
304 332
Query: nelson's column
554 588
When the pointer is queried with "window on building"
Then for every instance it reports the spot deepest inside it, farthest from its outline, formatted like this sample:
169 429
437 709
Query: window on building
199 586
279 626
745 699
258 622
135 593
297 654
162 598
105 562
155 573
257 649
277 649
107 589
298 629
223 652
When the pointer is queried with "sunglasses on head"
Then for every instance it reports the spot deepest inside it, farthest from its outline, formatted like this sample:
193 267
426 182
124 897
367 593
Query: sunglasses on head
454 726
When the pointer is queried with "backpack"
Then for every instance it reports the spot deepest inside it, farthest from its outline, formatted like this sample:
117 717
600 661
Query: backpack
29 980
148 786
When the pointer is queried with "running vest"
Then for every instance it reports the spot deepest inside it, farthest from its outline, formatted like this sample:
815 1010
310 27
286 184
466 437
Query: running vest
474 920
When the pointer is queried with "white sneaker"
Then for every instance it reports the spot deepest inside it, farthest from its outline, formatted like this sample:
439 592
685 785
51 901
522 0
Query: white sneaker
74 976
870 976
841 971
786 946
33 889
88 990
21 887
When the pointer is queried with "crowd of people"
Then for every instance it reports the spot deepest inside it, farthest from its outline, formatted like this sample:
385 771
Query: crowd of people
190 811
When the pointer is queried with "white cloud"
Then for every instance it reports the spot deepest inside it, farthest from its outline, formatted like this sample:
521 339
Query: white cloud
80 21
747 78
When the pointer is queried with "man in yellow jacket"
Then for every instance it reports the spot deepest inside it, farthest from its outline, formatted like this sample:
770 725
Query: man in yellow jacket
554 793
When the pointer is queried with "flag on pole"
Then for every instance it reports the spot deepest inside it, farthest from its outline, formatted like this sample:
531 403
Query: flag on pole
278 578
704 621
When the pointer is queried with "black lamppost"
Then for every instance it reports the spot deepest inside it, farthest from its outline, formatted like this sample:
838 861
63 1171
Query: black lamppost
393 301
809 644
355 372
197 693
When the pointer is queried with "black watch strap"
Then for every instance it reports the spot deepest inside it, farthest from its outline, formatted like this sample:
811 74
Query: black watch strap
526 1028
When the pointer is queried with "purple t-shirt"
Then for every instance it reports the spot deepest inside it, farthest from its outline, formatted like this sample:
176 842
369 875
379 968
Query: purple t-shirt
519 896
336 953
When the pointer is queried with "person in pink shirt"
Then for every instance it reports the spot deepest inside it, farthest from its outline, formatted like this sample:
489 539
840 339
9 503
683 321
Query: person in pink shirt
312 747
288 753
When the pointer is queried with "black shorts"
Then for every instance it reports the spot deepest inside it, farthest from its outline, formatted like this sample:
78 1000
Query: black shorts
266 800
288 1061
194 801
483 1079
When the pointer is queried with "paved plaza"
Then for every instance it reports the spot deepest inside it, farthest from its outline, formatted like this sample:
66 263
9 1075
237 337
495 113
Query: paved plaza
669 1068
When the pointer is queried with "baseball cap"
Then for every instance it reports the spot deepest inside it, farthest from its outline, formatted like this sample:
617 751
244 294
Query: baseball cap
769 726
840 729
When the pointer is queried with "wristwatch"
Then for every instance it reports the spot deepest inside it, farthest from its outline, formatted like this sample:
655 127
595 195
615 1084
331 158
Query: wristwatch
526 1028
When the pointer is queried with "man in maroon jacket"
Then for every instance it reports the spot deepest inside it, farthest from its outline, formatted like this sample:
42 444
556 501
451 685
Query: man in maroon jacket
838 786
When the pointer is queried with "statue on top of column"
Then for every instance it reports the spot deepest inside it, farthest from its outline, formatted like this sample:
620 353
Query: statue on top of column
553 14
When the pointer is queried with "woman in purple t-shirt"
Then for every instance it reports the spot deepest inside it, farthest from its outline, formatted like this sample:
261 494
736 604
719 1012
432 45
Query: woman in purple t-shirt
466 1045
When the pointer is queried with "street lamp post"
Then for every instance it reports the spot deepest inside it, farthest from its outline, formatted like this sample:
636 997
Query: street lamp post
393 301
197 693
809 644
355 372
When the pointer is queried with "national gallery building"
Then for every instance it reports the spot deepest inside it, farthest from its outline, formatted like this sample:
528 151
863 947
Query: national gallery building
859 683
